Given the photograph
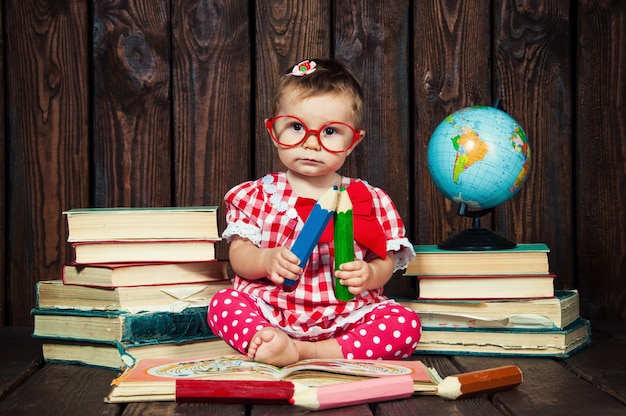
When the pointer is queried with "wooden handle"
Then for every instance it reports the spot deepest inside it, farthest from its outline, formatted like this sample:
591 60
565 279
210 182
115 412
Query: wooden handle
482 381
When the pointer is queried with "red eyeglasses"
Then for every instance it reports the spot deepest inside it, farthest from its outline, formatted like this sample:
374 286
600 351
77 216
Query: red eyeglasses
290 131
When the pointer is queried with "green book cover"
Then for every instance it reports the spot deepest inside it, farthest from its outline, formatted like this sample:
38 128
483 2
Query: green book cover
560 343
130 328
522 247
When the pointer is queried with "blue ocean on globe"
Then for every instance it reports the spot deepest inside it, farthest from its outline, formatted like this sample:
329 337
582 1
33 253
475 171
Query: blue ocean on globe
480 156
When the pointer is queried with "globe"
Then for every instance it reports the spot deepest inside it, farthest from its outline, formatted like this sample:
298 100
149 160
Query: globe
478 157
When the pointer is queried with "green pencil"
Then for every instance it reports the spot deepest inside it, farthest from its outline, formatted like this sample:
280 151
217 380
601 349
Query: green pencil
344 240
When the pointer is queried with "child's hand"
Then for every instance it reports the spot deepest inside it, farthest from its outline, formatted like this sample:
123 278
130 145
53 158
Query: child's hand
356 275
252 262
280 264
360 275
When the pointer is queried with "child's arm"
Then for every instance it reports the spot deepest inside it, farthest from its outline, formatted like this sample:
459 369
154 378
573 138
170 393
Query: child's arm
252 262
360 275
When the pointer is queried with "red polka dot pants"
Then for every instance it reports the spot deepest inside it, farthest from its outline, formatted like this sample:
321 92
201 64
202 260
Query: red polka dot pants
389 331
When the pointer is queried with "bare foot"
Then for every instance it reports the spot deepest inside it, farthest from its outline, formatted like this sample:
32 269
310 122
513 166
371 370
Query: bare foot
273 346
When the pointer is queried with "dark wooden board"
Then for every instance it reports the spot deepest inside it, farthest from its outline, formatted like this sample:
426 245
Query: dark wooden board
431 405
3 183
451 57
600 155
604 365
59 389
184 409
266 410
21 357
132 141
47 172
613 328
371 38
212 103
286 33
546 388
532 75
434 405
576 386
138 102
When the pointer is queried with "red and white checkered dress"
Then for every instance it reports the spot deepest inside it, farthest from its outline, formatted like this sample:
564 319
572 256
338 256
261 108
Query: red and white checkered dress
263 211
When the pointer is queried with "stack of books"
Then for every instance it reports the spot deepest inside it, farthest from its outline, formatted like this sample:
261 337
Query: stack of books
139 287
498 302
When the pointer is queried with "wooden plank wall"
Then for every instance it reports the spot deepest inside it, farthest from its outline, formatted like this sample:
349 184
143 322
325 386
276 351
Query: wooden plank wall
144 103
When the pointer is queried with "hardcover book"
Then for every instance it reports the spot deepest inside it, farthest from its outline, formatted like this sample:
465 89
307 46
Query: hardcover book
144 251
109 224
144 274
114 326
548 313
559 343
510 286
122 355
155 379
529 258
53 294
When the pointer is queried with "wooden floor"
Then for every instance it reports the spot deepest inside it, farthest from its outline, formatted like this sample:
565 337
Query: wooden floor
592 382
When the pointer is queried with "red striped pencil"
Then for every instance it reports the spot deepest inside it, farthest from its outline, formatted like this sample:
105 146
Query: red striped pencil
288 392
313 228
341 395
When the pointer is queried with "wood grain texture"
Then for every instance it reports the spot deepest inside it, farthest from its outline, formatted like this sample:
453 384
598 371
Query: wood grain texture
165 106
212 102
434 405
372 38
600 171
83 391
532 76
451 63
184 409
3 189
286 33
587 383
47 134
273 410
22 355
132 144
604 366
547 387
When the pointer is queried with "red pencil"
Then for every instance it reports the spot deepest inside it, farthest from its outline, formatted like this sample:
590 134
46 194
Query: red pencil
341 395
287 392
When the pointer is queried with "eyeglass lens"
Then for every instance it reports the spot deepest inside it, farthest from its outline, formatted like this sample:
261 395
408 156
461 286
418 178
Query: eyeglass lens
335 136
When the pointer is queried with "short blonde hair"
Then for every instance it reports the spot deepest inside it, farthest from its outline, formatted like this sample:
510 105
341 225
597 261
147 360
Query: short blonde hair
329 76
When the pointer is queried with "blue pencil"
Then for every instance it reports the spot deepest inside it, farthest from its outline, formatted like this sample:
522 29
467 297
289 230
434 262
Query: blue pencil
313 228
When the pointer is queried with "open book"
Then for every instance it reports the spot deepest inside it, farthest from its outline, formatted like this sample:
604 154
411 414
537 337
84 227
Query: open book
155 379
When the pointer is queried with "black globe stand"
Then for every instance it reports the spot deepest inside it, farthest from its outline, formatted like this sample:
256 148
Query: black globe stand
476 238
